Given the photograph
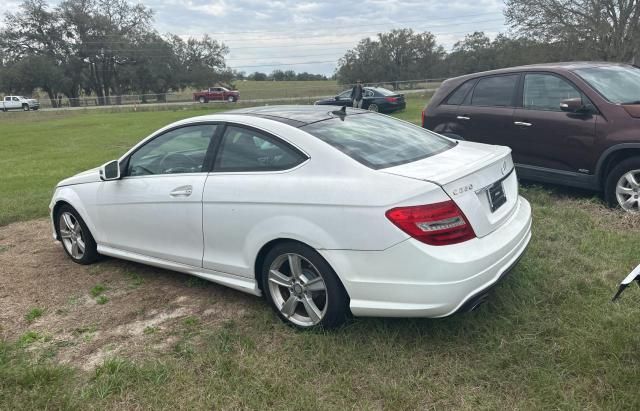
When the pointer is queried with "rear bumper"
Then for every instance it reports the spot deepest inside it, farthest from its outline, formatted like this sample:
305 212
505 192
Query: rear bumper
412 279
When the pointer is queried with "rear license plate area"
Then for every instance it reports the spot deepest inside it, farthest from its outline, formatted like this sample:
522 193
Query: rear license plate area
496 196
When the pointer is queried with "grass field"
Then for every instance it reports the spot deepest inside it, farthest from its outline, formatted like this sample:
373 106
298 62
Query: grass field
549 338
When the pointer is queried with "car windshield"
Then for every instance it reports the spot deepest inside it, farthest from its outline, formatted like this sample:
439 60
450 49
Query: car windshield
618 84
378 141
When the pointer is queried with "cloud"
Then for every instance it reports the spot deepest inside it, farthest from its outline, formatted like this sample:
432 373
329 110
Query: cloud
274 32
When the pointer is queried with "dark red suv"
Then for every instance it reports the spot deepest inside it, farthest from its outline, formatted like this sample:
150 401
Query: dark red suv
576 124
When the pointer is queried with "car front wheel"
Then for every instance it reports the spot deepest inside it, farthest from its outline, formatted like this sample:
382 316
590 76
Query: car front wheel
75 236
202 100
623 185
302 287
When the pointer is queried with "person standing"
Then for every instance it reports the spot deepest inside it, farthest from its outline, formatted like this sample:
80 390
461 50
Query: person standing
357 93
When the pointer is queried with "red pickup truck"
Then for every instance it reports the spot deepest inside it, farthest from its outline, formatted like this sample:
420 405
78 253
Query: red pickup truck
216 93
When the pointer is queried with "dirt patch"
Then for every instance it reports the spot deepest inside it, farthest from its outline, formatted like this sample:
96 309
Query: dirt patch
134 311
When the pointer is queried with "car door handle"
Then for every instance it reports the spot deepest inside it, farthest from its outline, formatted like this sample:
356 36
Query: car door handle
522 123
183 191
463 118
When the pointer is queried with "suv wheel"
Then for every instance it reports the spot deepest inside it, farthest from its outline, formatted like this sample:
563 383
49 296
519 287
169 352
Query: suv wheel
623 185
202 100
25 107
302 287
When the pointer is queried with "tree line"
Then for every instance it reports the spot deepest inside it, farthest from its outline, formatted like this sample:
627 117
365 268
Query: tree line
101 48
541 31
279 75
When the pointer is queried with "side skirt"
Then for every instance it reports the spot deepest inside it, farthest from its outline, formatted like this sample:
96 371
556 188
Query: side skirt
246 285
565 178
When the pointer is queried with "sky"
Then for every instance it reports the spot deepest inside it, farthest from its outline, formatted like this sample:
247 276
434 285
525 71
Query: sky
312 35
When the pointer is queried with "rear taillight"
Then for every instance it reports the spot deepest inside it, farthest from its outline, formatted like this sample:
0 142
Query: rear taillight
434 224
391 99
424 112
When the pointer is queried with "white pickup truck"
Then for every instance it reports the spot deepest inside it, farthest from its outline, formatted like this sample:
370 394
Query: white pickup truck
19 103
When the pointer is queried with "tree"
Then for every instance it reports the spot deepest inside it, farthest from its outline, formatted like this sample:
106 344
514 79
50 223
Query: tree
610 28
397 55
257 76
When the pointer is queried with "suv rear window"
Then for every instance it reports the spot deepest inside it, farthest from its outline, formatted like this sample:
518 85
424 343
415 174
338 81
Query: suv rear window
378 141
495 91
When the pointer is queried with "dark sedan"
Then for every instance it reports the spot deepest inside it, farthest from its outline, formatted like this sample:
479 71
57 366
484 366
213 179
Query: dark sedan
375 99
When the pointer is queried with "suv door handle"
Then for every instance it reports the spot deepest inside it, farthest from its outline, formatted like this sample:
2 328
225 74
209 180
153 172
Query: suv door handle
522 123
182 191
463 118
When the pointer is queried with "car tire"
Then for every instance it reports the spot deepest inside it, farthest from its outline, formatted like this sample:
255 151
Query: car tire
374 108
74 235
231 99
202 100
307 297
622 187
25 107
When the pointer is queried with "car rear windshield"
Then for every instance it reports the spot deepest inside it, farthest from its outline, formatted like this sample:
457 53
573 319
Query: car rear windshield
618 84
378 141
384 91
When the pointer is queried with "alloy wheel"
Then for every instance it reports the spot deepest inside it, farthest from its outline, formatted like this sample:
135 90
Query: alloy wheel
202 100
297 289
230 99
72 235
373 107
628 191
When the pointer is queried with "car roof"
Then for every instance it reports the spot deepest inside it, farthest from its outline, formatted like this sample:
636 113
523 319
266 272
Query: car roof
559 66
293 115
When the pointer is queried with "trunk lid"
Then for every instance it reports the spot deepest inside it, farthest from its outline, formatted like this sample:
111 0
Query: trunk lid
479 178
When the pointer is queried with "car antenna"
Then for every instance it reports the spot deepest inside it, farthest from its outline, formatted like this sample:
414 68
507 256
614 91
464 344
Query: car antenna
342 113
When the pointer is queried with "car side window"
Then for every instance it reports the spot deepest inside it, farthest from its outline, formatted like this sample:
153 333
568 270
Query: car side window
244 149
368 93
546 91
496 91
16 99
182 150
345 94
7 99
457 97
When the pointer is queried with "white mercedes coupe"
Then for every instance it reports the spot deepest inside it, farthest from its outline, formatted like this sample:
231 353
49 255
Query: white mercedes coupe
325 211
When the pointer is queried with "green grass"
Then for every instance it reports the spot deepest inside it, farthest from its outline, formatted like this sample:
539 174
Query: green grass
549 339
34 314
97 289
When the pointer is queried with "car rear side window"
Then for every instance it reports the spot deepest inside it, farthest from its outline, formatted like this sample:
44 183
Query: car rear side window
495 91
546 91
378 141
457 97
246 149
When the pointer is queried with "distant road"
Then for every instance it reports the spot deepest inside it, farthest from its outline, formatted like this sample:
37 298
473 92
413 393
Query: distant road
188 103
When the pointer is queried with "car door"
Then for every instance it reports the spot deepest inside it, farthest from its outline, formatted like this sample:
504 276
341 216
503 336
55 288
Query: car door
368 97
14 103
344 98
486 114
243 194
544 135
156 208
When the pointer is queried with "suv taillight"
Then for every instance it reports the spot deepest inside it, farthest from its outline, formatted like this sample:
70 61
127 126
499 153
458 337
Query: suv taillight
433 224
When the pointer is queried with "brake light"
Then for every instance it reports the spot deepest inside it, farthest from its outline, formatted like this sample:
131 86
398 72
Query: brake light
433 224
391 99
424 112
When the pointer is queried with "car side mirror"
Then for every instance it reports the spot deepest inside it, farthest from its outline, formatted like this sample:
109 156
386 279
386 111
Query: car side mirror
110 171
573 105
